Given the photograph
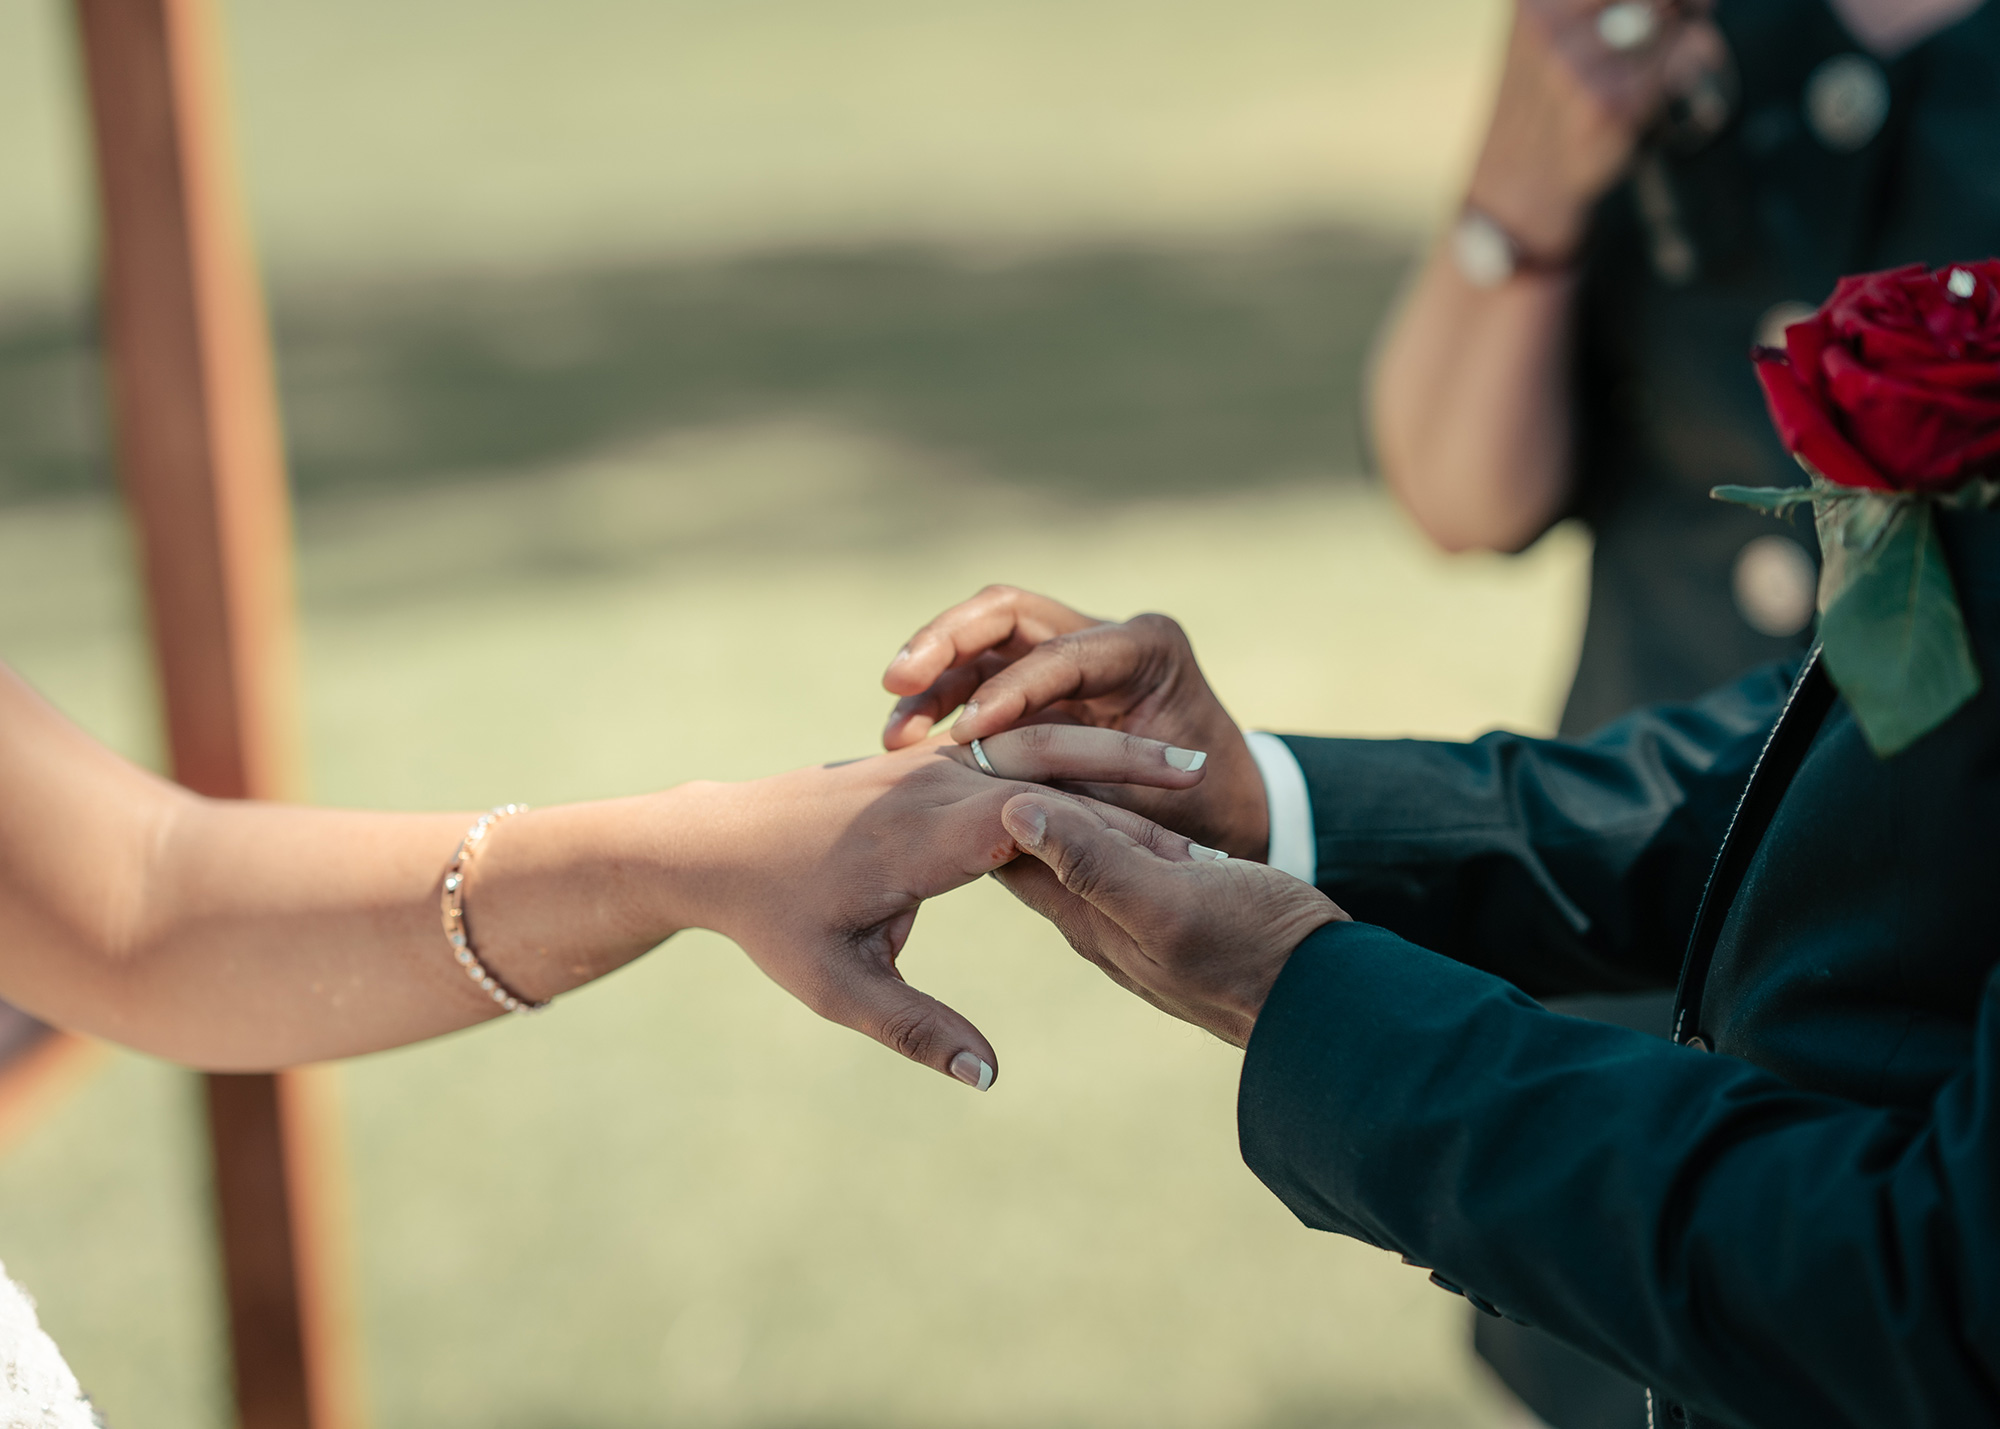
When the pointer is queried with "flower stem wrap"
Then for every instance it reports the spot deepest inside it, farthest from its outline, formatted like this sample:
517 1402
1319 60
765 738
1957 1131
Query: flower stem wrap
1890 630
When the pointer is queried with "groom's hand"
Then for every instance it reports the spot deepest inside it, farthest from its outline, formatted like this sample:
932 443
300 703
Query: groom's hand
1012 658
1200 936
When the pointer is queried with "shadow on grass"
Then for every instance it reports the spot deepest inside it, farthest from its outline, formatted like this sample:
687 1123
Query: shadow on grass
1102 373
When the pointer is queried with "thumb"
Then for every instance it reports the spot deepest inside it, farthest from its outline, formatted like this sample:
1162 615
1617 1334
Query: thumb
871 997
1102 864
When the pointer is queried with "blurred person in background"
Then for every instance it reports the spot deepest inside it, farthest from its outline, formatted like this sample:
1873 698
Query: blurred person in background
1663 185
233 935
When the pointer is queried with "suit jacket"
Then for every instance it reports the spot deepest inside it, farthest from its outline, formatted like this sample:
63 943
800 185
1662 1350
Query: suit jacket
1799 1226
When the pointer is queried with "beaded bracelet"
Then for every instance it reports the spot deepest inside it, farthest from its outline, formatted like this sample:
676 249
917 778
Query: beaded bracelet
451 903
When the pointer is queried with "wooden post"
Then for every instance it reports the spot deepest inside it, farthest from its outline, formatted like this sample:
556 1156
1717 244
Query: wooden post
195 415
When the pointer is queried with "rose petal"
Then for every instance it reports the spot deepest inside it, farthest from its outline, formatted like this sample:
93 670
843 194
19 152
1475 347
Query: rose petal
1926 438
1895 382
1806 344
1806 426
1971 378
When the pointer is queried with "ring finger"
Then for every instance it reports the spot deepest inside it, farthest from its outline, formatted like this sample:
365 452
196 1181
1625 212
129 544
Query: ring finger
1038 753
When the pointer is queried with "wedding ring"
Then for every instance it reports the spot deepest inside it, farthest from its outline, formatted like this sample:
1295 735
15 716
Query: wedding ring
979 757
1627 25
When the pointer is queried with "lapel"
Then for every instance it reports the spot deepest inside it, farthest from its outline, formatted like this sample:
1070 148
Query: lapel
1805 710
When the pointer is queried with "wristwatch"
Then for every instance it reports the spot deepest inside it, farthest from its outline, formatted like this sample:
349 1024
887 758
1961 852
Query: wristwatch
1487 255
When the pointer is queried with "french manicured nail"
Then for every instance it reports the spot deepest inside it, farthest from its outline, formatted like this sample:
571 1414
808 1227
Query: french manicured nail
972 1070
1204 851
1028 824
1188 760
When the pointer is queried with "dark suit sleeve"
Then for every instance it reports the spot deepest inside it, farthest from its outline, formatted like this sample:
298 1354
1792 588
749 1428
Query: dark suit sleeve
1765 1255
1563 865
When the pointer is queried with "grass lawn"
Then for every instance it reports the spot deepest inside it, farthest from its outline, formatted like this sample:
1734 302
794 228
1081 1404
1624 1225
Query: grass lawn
437 134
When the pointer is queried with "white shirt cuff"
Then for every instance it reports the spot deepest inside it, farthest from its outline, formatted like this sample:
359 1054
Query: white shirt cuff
1293 847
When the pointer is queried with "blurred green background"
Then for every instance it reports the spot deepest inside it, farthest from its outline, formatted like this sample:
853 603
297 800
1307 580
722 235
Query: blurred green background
651 370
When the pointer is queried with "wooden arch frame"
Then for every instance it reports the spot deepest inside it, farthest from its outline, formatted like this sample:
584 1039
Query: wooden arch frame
195 419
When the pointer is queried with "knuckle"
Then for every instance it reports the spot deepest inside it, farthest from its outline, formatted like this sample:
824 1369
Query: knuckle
1072 650
1081 870
910 1030
1037 739
1072 640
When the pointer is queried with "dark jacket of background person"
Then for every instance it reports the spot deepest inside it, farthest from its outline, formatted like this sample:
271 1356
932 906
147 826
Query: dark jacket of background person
1690 258
1800 1227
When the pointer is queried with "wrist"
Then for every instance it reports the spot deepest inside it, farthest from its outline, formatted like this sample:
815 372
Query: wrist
1245 1004
560 896
1239 818
1231 1013
1487 255
696 840
1547 223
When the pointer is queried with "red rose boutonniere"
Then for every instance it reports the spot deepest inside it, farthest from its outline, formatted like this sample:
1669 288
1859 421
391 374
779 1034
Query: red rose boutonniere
1889 397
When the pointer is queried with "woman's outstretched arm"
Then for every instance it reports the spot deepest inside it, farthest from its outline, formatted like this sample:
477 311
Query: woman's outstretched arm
236 935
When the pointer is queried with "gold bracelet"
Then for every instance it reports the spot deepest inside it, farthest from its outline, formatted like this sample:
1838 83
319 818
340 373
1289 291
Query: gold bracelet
451 903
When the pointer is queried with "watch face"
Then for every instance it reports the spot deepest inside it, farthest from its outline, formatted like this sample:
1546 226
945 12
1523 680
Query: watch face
1484 255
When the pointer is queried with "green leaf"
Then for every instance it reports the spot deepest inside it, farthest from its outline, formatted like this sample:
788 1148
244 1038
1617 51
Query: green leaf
1774 499
1893 638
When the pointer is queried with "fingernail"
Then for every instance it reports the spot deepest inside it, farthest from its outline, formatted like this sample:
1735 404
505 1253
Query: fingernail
901 655
972 1070
1028 824
1186 759
966 715
1204 851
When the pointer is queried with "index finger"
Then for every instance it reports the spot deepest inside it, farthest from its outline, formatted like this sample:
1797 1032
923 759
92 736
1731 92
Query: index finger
1000 618
1103 660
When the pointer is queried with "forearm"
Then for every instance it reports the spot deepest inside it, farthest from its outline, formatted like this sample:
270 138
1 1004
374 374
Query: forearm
1470 396
1562 865
1767 1254
273 935
1469 400
245 935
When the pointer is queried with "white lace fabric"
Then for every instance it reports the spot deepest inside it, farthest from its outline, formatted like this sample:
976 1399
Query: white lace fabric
37 1390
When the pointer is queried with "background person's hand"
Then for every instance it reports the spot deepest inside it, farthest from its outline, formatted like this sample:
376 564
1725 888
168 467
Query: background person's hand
817 874
1200 937
1013 658
1572 108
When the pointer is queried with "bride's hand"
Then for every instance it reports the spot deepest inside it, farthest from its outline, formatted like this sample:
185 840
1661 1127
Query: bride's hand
817 874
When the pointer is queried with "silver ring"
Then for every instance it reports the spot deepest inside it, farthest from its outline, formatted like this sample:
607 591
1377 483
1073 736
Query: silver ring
1627 25
979 757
